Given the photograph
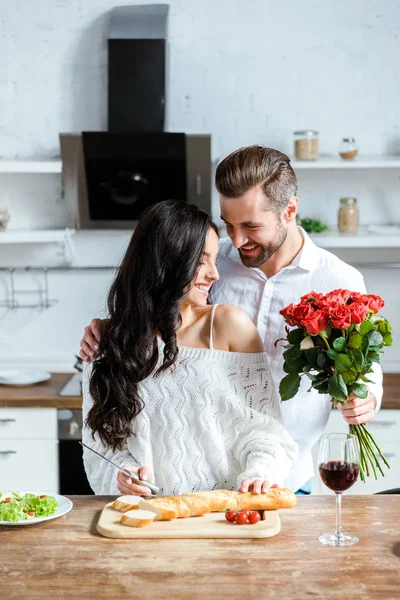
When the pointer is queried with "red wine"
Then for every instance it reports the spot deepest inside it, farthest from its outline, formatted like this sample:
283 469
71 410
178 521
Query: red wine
338 475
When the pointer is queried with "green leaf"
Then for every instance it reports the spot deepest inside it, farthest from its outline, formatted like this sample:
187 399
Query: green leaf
364 378
366 327
320 386
383 327
360 390
374 338
295 366
349 376
322 361
295 336
307 343
357 358
337 388
387 339
374 357
289 386
340 344
355 340
342 362
332 353
292 354
311 356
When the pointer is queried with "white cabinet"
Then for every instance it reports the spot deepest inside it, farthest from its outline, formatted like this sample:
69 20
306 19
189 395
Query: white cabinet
385 427
28 449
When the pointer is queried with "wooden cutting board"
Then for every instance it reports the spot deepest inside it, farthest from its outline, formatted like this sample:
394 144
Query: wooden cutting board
213 525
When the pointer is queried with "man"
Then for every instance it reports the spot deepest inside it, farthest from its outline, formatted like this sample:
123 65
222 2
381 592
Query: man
267 263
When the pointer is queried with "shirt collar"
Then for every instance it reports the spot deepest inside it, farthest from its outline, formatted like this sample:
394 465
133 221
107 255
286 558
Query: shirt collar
307 257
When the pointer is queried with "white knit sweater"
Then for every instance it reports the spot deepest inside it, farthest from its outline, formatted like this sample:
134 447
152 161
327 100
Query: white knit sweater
209 422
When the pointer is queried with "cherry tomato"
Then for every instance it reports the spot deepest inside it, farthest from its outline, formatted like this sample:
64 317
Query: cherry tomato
31 514
43 496
243 517
254 517
230 516
7 500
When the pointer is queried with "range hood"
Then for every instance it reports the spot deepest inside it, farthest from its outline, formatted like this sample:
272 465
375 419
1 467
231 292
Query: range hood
111 176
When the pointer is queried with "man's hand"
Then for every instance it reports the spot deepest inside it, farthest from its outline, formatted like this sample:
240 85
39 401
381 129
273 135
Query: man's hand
358 410
257 486
91 338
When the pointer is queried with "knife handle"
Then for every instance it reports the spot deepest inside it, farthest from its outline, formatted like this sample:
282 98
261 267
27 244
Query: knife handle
135 478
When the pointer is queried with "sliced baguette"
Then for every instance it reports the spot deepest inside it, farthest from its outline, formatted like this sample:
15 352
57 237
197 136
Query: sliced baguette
124 503
138 518
202 503
163 510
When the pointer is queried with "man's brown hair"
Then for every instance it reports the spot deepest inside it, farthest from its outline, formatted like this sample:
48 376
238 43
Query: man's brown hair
254 165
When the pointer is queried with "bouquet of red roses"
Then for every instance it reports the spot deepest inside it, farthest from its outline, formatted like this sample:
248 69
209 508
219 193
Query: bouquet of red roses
335 341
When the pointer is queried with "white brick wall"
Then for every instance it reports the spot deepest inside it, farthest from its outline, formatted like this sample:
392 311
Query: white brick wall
245 71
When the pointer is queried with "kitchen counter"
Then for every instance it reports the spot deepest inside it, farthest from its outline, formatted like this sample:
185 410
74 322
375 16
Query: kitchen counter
46 394
41 395
67 558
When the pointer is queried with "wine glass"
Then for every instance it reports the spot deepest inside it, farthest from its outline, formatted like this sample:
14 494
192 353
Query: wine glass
338 463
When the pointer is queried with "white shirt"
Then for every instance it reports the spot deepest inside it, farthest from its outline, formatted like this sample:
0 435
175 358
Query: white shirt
209 422
313 269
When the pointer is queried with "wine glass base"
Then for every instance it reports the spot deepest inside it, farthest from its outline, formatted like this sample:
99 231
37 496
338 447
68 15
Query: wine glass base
338 539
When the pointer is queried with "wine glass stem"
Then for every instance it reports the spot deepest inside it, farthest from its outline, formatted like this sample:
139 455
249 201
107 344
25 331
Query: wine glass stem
338 513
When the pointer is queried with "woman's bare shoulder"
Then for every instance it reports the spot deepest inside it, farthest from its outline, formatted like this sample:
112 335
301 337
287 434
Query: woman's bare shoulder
234 327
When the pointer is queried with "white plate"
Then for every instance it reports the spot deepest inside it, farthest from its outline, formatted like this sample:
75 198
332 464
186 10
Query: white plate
23 377
64 506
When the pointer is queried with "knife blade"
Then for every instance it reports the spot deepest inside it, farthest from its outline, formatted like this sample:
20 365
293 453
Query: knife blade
130 474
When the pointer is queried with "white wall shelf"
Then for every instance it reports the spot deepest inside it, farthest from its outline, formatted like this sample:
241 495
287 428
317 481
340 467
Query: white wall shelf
30 166
35 237
361 162
364 238
50 236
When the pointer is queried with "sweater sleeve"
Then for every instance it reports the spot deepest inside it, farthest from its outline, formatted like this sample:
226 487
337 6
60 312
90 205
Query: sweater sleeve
101 475
264 448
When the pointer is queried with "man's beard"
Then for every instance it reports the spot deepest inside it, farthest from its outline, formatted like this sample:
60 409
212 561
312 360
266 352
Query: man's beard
265 252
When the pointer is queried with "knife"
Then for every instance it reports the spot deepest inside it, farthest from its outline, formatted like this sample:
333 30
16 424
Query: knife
130 474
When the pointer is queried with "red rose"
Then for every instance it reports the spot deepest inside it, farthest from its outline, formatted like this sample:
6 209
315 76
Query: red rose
375 303
340 317
311 298
358 312
287 315
336 297
301 312
315 322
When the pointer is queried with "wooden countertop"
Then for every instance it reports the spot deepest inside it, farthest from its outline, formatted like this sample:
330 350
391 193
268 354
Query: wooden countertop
67 558
41 395
46 394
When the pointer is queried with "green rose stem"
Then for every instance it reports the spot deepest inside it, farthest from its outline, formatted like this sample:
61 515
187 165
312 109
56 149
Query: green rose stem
368 448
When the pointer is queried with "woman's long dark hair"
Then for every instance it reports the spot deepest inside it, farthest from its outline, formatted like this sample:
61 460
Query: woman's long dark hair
157 270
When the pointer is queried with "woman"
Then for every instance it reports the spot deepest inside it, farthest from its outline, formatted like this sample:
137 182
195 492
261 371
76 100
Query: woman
180 390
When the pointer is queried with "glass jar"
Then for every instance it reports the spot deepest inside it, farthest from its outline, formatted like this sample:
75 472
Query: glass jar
348 215
348 149
4 218
306 144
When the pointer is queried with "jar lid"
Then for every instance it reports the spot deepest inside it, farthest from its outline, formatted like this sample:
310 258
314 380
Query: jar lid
350 140
348 200
306 132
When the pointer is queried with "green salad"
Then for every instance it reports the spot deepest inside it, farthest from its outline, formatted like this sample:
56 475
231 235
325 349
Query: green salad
16 507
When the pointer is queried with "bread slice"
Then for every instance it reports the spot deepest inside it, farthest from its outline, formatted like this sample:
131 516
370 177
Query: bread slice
164 511
138 518
124 503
